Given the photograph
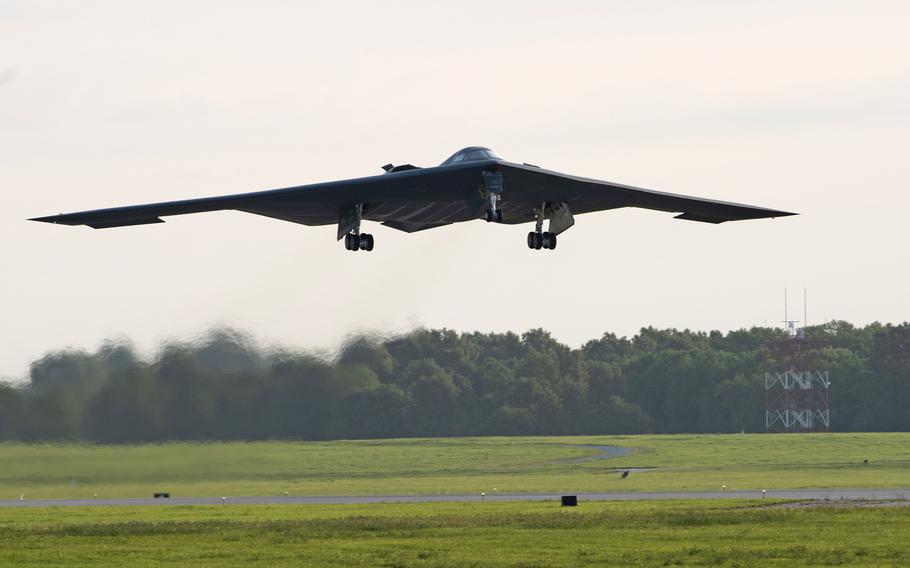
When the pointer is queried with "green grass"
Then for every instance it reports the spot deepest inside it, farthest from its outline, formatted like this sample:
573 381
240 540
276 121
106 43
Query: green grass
725 533
462 465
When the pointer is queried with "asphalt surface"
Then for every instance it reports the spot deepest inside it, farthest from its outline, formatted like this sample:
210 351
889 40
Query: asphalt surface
801 494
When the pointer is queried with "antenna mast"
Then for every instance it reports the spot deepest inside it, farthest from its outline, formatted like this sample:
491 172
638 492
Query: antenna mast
796 391
786 315
805 309
789 325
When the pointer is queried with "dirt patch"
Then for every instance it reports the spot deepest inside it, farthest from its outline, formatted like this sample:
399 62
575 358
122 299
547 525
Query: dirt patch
603 452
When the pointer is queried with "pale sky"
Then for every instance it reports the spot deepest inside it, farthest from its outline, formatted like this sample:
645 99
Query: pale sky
801 106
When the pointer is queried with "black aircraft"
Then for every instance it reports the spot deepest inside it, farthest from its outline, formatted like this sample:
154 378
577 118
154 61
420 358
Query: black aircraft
474 183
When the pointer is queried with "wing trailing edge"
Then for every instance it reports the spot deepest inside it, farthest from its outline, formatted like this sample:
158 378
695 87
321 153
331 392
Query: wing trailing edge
98 223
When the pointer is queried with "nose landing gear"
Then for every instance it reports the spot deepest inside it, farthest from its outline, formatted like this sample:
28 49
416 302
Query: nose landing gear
493 214
492 186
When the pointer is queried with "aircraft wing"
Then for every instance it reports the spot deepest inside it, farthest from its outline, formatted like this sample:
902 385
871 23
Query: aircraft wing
584 195
414 199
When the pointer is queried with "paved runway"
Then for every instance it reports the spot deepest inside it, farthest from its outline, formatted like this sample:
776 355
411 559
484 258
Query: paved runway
802 494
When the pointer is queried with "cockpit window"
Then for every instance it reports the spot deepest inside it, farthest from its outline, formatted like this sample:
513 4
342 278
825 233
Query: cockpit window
471 155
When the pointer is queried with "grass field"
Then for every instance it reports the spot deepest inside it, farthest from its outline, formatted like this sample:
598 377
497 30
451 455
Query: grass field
461 465
724 533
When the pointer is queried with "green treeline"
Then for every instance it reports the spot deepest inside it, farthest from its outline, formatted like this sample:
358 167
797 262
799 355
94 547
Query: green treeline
442 383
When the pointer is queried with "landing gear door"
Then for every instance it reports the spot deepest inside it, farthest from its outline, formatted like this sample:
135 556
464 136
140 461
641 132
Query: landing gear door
561 219
349 220
493 181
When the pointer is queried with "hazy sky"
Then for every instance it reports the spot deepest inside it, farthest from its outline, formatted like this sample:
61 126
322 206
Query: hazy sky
802 106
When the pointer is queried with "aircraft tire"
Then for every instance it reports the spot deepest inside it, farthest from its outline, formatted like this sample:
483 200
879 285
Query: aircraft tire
549 240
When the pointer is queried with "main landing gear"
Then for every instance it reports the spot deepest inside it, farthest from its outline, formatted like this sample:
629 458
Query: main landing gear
538 240
362 241
349 229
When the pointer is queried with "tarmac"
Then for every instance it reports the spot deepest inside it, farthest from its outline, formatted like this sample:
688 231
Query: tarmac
797 494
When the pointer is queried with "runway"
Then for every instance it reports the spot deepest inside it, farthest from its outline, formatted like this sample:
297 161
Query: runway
800 494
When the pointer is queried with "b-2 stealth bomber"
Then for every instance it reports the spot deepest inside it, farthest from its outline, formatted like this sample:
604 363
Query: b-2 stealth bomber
474 183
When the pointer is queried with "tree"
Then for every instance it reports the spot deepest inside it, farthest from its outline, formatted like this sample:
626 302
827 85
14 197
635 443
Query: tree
435 398
189 404
440 382
131 407
379 412
886 405
739 398
510 421
52 415
11 412
77 371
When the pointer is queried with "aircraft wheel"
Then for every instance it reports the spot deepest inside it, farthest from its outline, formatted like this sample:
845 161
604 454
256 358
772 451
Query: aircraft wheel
366 242
538 241
347 242
499 215
355 242
532 239
488 215
549 240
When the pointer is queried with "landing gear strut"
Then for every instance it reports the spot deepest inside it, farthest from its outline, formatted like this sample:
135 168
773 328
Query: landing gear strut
492 184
